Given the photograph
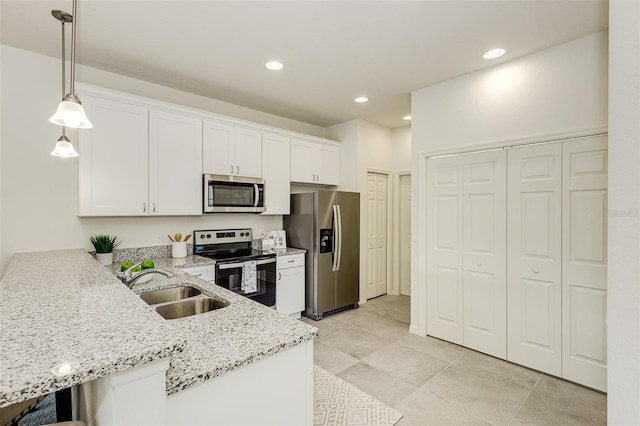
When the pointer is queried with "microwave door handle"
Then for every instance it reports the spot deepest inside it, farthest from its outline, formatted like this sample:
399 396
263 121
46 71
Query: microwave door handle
256 195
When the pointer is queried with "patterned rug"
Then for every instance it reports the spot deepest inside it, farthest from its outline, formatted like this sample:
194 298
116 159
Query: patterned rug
336 402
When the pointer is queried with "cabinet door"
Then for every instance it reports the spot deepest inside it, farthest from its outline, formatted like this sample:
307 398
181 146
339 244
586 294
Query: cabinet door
275 171
248 153
218 148
584 262
534 296
175 164
484 252
444 269
302 163
326 164
290 290
113 160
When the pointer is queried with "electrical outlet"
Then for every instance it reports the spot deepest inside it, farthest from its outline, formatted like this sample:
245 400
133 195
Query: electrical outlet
158 239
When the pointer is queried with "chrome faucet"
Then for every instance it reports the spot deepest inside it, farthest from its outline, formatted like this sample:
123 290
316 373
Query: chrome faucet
130 278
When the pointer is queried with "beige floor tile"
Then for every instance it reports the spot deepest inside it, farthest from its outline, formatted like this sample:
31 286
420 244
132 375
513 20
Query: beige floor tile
499 369
326 326
355 342
489 399
381 385
587 402
406 364
402 314
537 411
387 328
331 359
424 408
355 317
440 349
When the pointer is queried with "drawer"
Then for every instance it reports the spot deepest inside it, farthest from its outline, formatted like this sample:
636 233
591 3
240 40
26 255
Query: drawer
207 273
290 261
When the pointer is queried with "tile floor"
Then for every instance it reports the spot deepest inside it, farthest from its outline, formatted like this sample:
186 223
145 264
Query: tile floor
432 382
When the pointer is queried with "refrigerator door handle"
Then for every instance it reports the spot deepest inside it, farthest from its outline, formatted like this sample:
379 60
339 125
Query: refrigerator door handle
334 251
339 245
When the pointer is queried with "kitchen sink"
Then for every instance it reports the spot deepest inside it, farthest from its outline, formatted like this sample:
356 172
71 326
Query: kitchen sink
188 307
169 294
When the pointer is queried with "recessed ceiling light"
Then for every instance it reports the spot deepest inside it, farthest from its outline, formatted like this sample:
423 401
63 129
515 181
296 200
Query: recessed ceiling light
407 117
274 65
361 99
493 53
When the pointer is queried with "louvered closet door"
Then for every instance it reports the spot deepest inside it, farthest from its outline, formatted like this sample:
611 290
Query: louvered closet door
484 252
444 288
534 257
584 262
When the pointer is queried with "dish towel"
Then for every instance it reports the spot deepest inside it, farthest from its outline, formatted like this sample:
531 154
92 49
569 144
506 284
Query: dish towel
249 280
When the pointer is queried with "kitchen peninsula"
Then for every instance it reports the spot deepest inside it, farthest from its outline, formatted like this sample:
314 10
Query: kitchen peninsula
244 363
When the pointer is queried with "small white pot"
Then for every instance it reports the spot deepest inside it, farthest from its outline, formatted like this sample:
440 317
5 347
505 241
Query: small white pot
179 249
105 258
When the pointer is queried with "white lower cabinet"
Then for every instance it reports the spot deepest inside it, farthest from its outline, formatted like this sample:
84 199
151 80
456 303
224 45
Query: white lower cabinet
521 273
290 286
205 272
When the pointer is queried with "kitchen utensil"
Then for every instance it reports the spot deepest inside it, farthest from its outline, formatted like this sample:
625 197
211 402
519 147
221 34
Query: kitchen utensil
172 240
178 237
187 237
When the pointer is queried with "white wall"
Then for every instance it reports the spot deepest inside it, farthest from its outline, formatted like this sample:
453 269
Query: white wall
558 91
623 322
401 145
39 192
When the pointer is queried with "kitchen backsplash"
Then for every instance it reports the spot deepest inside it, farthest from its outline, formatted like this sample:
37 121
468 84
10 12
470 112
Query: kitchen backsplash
137 254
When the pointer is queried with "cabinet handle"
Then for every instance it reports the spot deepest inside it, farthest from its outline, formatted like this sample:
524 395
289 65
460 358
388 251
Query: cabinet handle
197 275
279 276
317 178
232 169
536 270
144 207
237 170
479 264
290 261
154 207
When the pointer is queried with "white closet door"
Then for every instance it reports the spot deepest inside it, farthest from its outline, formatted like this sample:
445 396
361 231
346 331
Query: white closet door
534 257
444 289
584 262
484 252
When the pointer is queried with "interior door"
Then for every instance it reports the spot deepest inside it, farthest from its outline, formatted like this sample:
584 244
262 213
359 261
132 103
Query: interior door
376 235
584 261
484 252
444 268
534 257
405 235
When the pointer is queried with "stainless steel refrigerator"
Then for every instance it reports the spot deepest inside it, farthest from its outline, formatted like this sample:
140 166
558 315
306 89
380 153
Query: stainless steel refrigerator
327 225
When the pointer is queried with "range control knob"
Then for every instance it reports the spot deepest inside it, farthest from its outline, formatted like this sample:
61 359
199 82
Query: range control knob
201 237
208 235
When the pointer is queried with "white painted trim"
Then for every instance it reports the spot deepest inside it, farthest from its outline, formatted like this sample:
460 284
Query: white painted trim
88 89
513 142
395 285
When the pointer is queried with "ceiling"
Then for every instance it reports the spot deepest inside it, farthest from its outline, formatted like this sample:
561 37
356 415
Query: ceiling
333 51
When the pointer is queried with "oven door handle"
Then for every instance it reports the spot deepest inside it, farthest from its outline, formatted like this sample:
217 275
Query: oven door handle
239 264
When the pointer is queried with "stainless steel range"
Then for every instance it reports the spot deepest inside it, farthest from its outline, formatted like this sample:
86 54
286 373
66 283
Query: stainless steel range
239 268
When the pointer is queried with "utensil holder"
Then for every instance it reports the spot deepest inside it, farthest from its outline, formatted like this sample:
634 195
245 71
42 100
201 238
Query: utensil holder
179 249
105 259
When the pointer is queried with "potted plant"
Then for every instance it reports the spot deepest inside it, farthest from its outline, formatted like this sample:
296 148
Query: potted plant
104 245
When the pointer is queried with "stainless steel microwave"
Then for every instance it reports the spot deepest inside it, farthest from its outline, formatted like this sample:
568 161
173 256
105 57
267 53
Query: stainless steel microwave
232 194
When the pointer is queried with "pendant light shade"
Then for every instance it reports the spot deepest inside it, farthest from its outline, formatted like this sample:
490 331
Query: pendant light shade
70 113
64 148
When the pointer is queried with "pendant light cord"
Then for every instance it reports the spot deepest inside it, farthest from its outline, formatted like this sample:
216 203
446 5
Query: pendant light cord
63 69
73 47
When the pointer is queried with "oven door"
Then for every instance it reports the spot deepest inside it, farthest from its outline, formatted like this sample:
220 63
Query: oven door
224 194
229 275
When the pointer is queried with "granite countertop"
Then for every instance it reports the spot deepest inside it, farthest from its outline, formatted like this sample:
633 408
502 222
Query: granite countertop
77 310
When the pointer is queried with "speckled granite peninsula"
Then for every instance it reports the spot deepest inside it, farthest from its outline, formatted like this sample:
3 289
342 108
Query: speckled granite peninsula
64 306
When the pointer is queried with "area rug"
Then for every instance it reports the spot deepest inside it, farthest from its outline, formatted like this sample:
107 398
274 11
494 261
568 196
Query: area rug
336 402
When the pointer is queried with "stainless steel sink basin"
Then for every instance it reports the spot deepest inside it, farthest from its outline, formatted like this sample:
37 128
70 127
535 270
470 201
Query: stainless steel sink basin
169 294
188 307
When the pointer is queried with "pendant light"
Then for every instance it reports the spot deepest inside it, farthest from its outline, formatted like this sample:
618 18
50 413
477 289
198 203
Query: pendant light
63 146
70 112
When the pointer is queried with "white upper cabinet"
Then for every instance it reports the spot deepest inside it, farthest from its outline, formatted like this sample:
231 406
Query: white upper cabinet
275 171
139 162
231 150
314 162
114 158
175 164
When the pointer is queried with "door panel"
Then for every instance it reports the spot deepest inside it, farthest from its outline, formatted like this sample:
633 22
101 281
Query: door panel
376 235
484 252
584 261
444 270
534 257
